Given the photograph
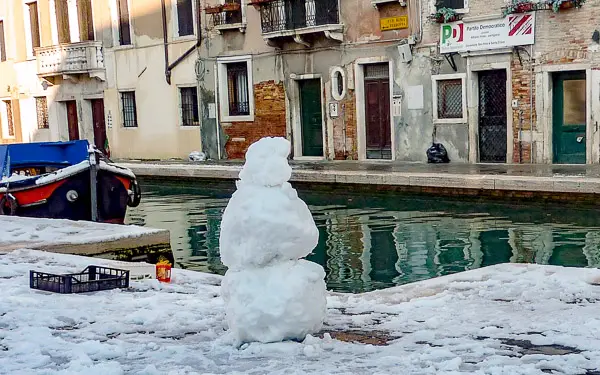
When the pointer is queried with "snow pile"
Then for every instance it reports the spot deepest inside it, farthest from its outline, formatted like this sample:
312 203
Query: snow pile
505 319
197 156
270 294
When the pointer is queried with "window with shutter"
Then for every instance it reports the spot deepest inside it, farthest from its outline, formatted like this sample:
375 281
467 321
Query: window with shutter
35 26
2 42
86 22
185 17
124 27
62 21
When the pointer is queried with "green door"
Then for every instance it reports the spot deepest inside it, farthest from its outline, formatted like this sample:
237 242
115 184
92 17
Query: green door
311 117
569 118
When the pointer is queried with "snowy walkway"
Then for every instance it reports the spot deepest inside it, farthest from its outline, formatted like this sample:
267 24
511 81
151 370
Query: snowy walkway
506 319
75 237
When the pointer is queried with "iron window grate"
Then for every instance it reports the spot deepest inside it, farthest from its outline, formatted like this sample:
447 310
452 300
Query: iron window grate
129 109
237 82
449 99
377 71
9 116
189 107
41 108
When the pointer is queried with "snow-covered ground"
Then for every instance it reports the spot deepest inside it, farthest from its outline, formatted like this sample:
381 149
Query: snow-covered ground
506 319
34 230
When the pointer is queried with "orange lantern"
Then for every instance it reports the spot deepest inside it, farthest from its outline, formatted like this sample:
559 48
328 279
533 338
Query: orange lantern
163 271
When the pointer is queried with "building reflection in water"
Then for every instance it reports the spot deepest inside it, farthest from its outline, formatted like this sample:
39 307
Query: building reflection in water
369 243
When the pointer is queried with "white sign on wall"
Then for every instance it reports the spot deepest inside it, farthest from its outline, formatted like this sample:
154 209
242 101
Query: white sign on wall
512 30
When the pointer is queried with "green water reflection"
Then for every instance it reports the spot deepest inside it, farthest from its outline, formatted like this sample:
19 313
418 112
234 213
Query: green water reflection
374 242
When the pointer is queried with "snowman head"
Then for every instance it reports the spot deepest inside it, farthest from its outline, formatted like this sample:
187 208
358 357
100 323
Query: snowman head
266 162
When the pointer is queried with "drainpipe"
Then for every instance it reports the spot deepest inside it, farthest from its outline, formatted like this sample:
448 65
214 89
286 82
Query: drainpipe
170 67
531 106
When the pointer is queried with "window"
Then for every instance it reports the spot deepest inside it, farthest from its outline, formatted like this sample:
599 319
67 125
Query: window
338 89
34 27
449 98
9 117
62 21
2 42
41 108
452 4
189 107
86 22
237 89
129 109
124 27
185 17
236 100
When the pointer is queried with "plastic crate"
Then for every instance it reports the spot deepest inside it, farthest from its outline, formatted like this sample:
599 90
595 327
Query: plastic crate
91 279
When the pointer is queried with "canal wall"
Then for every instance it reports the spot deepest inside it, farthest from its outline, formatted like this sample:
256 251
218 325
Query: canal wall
494 183
121 242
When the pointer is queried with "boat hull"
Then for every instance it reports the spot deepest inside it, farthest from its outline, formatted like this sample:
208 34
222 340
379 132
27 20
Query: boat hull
69 197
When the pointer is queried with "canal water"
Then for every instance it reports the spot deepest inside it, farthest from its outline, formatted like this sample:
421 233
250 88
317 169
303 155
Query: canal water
378 241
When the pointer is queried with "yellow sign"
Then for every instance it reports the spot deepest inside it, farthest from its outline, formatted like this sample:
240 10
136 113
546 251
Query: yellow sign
393 23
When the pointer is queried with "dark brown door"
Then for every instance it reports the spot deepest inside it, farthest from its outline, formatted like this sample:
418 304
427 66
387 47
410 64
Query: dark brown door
99 125
72 120
377 111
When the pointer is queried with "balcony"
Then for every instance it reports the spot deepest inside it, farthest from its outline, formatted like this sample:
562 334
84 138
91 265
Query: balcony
284 18
228 16
71 60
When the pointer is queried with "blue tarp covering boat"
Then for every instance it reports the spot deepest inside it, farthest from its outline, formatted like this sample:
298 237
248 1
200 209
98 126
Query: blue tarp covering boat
53 180
48 154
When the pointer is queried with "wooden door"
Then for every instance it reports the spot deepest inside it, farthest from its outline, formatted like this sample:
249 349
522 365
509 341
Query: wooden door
99 125
569 118
492 116
311 117
72 121
377 111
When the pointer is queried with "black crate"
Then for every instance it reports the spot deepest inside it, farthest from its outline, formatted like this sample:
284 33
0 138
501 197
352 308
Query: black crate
91 279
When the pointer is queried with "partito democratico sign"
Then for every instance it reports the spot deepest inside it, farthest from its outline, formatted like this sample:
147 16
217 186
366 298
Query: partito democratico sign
513 30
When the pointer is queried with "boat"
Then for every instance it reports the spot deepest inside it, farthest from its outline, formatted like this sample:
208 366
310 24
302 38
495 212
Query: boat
65 180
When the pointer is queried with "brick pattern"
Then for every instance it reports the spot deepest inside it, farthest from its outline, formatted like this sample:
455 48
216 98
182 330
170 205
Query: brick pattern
269 120
347 120
523 89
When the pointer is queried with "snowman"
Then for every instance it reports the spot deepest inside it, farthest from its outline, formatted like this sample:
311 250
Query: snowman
270 293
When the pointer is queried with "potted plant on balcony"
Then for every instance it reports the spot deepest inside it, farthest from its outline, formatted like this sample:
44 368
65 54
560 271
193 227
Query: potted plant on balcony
213 9
258 3
519 6
444 15
231 7
556 5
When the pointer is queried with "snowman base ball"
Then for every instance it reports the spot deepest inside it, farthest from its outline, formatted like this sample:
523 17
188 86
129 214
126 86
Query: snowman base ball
285 301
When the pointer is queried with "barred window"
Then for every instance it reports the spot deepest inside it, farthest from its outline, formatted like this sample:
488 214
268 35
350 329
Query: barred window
9 116
41 108
189 106
237 85
449 99
129 109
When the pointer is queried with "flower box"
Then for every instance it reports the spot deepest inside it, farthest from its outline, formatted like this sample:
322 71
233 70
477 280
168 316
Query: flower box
258 3
231 7
213 9
524 7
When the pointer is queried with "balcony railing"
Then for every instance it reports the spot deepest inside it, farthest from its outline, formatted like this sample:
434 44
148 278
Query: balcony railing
227 18
72 58
283 15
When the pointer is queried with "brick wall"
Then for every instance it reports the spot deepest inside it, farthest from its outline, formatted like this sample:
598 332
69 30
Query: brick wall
347 120
269 120
523 90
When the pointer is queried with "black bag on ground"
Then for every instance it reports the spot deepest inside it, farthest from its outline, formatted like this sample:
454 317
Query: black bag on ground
437 154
